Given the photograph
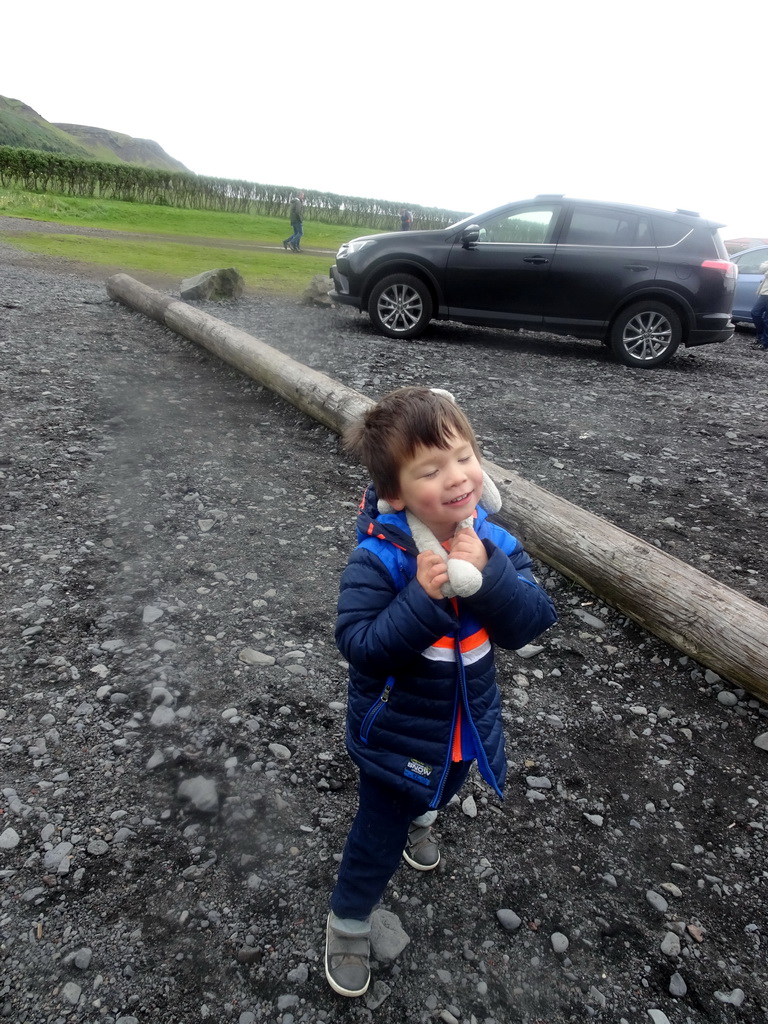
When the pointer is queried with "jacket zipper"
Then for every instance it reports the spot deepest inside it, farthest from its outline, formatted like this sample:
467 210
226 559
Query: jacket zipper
479 748
462 696
373 711
447 766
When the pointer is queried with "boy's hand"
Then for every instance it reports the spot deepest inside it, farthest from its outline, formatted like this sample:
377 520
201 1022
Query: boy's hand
468 546
431 573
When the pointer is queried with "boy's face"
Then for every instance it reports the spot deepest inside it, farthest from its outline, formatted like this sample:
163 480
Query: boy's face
441 486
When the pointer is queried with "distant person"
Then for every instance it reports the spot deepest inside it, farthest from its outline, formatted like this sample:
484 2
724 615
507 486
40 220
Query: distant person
296 217
418 630
760 310
406 219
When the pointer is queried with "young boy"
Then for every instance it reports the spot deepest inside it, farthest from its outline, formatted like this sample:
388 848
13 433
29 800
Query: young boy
423 700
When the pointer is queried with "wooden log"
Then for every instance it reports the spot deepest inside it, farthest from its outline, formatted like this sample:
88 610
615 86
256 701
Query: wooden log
715 625
712 623
316 394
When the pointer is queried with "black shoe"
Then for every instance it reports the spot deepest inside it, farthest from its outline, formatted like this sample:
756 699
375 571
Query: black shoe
286 246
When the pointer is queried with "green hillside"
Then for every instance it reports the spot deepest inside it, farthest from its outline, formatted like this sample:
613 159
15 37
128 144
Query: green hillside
23 128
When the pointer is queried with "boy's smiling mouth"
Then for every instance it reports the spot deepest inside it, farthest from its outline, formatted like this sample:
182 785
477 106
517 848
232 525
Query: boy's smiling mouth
461 498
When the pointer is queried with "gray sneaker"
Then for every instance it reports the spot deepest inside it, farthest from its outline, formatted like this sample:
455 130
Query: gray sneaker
421 850
347 959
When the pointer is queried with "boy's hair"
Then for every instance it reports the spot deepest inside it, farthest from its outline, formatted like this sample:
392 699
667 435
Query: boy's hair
402 421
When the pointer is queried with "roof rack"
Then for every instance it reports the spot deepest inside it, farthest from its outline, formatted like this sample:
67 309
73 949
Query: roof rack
688 213
550 195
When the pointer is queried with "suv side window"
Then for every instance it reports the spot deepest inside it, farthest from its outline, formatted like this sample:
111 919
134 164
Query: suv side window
669 231
750 262
532 225
607 227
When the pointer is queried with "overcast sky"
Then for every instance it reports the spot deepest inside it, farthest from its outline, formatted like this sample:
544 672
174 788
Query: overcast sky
460 105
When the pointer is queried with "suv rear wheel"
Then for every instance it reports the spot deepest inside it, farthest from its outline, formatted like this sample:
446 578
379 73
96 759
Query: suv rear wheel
400 306
646 334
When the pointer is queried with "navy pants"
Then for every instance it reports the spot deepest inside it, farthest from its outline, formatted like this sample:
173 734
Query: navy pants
760 319
377 839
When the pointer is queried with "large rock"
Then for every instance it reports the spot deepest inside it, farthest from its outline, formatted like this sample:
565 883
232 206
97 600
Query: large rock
388 939
202 794
316 292
214 284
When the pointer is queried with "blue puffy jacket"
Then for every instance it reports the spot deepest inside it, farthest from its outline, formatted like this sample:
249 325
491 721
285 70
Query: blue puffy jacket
415 661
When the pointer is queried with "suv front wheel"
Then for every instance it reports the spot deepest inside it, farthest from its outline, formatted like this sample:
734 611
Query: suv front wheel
400 306
646 334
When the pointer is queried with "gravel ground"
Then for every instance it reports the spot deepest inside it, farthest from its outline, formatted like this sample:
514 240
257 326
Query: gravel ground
176 792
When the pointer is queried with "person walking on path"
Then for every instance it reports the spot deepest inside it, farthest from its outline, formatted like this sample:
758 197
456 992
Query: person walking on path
760 310
406 219
432 586
295 215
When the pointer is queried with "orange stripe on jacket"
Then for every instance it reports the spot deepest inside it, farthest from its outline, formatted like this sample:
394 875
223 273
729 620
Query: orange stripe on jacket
469 643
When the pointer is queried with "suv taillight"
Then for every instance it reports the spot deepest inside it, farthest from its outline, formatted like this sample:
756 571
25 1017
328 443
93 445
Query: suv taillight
728 268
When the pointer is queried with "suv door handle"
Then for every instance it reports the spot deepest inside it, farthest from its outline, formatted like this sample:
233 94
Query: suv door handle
635 266
535 259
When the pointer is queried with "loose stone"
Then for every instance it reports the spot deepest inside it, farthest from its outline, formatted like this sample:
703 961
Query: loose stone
559 942
734 998
201 793
162 716
677 985
508 919
657 901
388 938
251 657
9 839
82 958
469 807
71 993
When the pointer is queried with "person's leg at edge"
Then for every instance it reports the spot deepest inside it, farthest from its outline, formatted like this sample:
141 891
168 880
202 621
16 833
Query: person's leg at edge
759 315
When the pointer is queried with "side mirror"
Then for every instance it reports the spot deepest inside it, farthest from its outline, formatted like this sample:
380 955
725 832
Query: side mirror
470 236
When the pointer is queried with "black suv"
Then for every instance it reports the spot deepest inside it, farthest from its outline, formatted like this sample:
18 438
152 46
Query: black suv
642 281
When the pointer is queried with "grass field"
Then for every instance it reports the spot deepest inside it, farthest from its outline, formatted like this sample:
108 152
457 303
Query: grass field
278 271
